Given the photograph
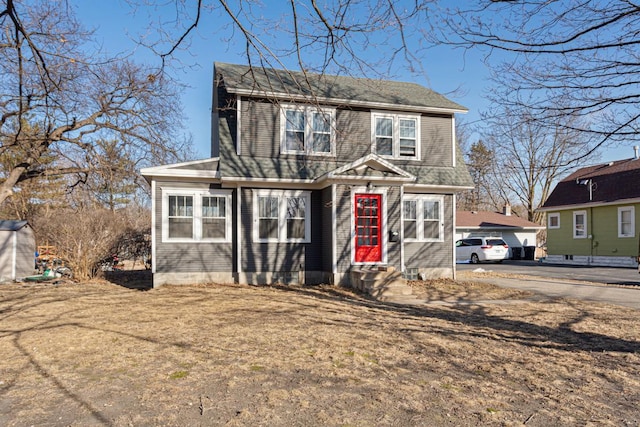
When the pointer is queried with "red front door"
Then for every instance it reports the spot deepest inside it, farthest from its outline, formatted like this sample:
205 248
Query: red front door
368 227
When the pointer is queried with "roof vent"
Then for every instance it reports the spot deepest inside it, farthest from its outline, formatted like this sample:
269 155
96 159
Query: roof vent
635 152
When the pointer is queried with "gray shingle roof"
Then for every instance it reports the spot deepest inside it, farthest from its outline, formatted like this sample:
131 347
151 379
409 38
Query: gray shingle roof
11 225
347 90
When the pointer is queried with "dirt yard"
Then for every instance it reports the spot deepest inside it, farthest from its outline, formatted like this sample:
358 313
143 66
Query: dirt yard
103 354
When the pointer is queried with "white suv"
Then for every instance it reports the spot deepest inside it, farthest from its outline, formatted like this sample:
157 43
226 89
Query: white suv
477 249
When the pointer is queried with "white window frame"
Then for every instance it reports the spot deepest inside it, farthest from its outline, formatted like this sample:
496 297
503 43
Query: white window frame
197 214
632 232
557 217
420 199
308 111
282 196
575 230
395 144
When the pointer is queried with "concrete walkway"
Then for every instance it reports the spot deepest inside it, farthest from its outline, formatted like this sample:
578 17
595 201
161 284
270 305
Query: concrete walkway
617 295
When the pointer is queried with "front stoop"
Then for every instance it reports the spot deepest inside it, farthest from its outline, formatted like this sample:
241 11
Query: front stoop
388 286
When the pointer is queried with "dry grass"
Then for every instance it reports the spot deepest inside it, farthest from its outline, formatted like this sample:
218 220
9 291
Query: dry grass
102 354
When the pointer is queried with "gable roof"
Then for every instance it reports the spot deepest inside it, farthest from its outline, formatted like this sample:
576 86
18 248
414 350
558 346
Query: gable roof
12 225
609 183
344 90
486 219
371 166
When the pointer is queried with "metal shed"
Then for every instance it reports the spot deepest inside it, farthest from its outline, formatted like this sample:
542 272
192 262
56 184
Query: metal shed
17 249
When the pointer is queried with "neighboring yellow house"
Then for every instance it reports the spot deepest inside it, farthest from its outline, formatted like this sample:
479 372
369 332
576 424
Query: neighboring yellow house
592 216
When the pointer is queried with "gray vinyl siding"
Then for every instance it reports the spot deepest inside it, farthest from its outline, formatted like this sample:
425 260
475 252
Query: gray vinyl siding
189 257
260 121
392 217
276 256
433 254
260 133
326 224
437 140
343 227
353 134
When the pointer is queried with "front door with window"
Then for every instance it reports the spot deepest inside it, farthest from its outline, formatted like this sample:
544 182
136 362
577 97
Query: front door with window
368 228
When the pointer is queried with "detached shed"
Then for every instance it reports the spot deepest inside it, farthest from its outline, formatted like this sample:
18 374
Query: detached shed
17 248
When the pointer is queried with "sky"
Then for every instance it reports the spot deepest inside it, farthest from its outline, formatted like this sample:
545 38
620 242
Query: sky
461 76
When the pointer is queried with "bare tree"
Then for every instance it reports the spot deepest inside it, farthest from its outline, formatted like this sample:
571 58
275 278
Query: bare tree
58 97
530 155
372 38
480 162
576 58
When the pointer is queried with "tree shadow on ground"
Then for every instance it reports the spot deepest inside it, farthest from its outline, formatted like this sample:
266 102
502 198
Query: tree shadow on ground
525 333
141 280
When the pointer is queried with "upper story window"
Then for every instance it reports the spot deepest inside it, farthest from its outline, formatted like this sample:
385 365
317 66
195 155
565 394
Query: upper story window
282 216
396 135
626 221
308 130
194 215
423 218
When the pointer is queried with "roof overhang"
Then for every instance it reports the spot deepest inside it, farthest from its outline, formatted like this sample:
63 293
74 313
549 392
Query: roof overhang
343 101
588 205
176 170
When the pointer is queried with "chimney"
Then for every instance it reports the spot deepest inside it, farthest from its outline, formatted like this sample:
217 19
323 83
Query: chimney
635 152
506 210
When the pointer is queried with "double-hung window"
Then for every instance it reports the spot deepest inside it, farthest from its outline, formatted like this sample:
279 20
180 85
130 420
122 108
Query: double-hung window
396 135
626 221
193 215
553 220
423 218
282 216
579 224
307 130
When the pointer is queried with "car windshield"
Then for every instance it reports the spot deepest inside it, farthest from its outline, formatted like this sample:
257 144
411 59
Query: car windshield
495 242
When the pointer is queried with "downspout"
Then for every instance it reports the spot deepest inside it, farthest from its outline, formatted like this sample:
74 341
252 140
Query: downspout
402 266
590 235
453 238
14 255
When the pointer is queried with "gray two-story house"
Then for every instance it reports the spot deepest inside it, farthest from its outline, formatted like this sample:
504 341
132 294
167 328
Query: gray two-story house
310 177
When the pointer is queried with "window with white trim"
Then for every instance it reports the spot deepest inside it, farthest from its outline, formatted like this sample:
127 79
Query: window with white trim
196 215
307 130
282 216
626 221
423 218
395 135
553 220
579 224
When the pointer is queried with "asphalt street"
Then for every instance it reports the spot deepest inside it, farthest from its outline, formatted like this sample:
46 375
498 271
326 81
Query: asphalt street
586 283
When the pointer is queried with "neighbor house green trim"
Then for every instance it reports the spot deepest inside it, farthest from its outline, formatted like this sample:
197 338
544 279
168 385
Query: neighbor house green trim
601 230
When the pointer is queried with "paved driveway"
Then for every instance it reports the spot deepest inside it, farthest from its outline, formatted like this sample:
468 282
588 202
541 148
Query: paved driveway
561 281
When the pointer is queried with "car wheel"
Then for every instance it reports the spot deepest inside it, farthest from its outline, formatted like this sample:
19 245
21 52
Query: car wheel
474 259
